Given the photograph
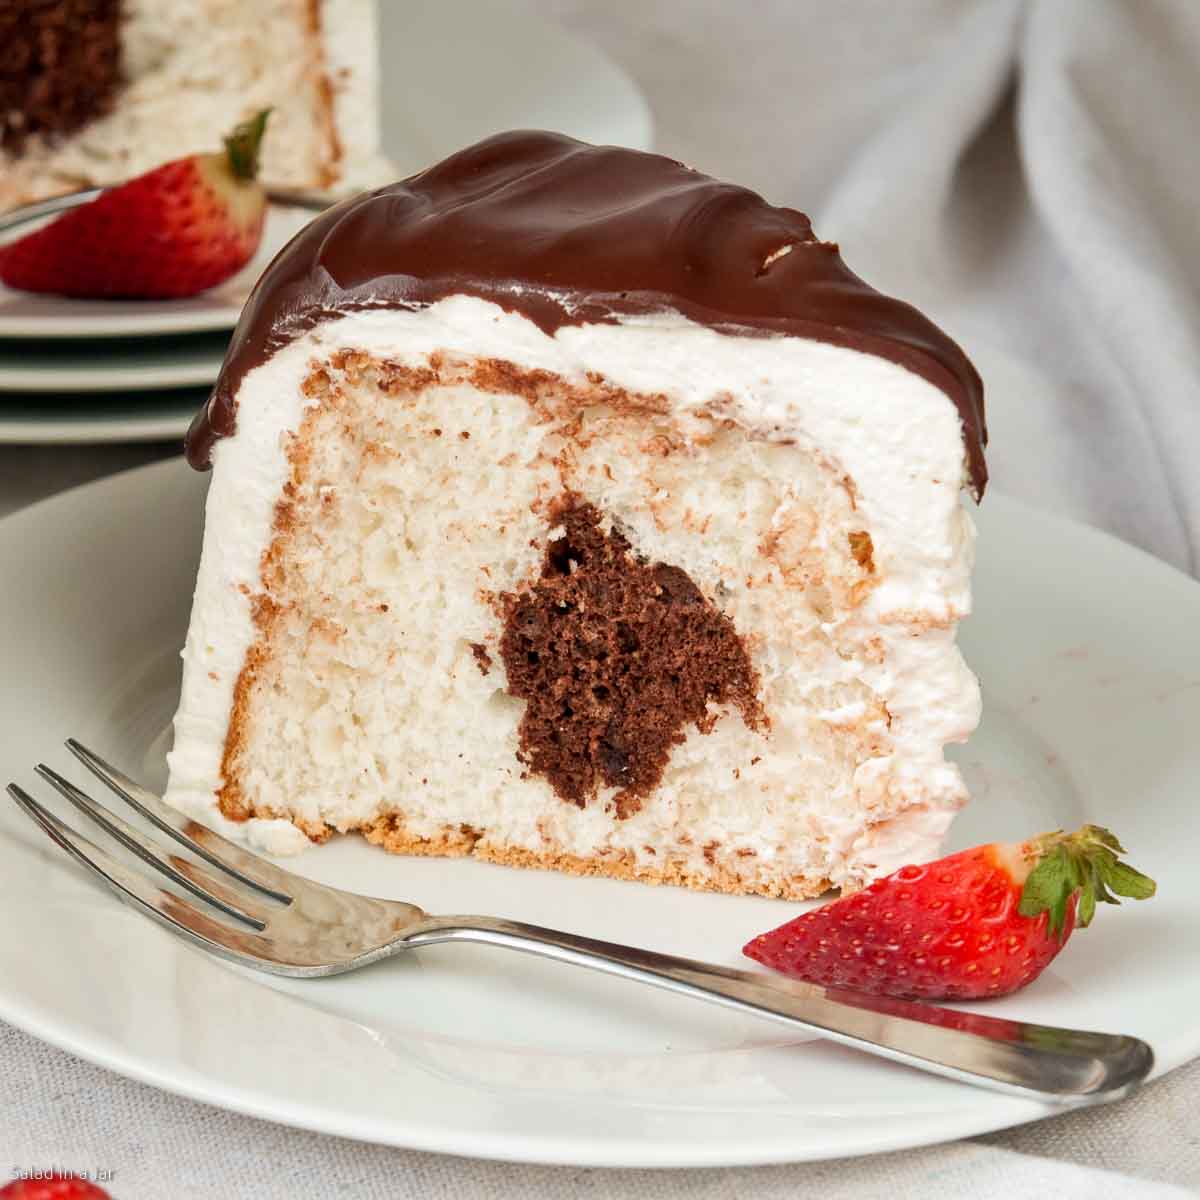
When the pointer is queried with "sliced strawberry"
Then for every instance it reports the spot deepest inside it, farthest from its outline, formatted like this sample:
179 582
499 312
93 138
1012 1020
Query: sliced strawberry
175 231
53 1186
980 923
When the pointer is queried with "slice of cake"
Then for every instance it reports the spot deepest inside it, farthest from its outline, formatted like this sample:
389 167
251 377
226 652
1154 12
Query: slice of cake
93 92
571 509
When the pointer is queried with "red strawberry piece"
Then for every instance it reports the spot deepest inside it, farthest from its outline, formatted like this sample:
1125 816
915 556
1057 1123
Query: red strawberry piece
980 923
53 1187
172 232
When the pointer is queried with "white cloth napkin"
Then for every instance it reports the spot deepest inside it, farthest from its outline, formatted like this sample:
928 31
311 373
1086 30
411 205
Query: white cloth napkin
1063 225
1025 172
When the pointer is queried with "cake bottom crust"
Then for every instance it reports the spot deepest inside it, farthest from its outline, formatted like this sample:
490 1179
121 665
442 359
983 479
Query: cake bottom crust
462 842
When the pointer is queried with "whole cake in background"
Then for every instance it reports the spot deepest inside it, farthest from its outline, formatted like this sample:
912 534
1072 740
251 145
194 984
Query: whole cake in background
571 509
93 92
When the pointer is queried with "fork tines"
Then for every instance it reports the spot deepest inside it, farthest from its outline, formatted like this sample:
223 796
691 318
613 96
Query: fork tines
244 890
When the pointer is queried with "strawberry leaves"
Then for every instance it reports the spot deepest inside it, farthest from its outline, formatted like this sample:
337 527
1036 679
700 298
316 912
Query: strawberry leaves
1126 881
243 143
1084 865
1050 886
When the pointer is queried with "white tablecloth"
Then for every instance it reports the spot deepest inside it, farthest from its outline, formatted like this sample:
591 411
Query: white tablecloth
1027 173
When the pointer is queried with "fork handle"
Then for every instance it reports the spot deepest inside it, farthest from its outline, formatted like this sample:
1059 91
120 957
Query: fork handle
1061 1066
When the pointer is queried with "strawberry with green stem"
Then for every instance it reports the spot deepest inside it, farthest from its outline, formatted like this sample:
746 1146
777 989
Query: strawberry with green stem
979 923
177 230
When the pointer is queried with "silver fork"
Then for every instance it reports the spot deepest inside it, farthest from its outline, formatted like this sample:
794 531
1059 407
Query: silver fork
256 914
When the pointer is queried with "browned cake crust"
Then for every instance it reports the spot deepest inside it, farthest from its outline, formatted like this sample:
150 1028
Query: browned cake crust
325 111
389 833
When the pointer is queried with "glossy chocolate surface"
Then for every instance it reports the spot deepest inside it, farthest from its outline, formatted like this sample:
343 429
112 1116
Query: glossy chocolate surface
563 233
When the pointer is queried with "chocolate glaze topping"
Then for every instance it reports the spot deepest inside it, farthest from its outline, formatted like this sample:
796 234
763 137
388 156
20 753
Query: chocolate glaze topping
565 233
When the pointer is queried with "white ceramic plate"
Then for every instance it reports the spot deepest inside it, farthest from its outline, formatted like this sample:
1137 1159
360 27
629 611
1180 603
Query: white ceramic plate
111 364
84 419
1091 670
439 92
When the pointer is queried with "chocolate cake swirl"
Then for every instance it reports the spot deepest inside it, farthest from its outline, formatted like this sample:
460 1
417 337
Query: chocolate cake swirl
615 659
60 66
565 233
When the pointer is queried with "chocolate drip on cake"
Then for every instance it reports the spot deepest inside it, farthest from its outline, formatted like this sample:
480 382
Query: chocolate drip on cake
616 658
59 66
565 233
